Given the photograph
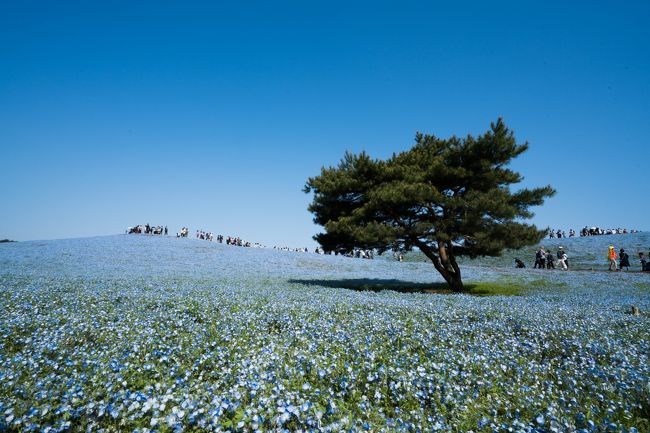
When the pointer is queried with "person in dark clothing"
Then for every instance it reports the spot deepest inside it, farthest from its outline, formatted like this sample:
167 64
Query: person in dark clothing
624 260
540 259
549 260
519 263
644 262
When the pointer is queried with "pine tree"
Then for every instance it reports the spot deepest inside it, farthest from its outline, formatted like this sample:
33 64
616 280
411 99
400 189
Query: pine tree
446 197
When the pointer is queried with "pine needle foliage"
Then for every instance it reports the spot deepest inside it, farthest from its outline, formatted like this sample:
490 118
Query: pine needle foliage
446 197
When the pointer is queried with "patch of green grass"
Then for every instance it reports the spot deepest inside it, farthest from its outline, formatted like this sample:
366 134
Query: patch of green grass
496 289
643 285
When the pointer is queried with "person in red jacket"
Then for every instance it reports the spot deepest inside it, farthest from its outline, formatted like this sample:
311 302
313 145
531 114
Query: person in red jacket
611 256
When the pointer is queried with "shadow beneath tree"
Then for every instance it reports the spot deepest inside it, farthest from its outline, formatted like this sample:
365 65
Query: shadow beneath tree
377 285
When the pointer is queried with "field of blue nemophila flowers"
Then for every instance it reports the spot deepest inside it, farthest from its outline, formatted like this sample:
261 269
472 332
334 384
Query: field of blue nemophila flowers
156 334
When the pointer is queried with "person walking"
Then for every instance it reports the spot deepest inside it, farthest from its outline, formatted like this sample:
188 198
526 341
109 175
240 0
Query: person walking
562 259
624 260
540 258
644 262
549 260
611 256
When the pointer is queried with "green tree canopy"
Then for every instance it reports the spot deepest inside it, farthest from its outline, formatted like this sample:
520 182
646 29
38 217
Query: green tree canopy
446 197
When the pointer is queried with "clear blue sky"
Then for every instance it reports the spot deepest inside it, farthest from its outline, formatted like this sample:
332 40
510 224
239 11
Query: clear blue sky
213 115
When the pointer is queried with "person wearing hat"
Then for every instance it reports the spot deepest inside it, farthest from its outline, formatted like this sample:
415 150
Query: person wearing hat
562 259
611 256
624 260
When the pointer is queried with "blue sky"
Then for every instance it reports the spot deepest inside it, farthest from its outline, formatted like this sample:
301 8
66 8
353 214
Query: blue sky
213 115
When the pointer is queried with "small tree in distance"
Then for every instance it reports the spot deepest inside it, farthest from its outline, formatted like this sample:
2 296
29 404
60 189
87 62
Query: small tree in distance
446 197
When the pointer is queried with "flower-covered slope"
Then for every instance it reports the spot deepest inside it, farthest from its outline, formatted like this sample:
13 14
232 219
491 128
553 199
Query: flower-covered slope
137 333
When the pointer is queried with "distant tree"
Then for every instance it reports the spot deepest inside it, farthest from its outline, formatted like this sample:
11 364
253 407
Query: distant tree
446 197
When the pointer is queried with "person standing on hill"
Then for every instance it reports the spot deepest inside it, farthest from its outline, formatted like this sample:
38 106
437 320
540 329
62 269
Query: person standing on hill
549 260
611 256
624 260
644 262
562 259
540 258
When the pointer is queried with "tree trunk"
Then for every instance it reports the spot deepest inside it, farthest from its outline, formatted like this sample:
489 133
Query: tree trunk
456 284
452 278
445 263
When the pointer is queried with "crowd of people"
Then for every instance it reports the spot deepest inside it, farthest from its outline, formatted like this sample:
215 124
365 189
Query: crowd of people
596 231
294 250
237 241
356 253
228 240
622 260
546 259
208 236
560 233
147 229
184 232
231 240
588 231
